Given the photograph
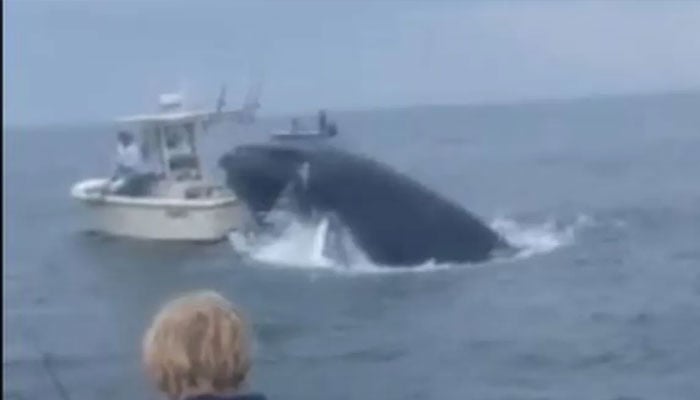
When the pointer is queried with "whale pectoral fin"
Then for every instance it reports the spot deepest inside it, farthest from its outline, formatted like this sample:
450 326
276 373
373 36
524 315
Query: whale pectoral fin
283 198
293 197
334 245
303 173
302 203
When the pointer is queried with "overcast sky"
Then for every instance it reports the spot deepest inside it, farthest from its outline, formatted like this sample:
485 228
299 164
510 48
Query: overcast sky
69 61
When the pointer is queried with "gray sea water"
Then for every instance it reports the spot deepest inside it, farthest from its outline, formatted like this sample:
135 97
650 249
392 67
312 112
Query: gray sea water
604 193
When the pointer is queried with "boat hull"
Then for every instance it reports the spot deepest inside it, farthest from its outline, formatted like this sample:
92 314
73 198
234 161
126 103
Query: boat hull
202 220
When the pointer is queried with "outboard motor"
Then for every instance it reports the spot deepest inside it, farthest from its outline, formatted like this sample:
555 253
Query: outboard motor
332 130
324 127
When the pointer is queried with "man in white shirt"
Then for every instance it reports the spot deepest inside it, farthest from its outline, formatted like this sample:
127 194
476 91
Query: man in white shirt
129 159
131 176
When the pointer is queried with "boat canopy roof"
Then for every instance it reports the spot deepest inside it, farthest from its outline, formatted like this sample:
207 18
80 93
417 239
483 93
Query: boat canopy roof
170 118
171 113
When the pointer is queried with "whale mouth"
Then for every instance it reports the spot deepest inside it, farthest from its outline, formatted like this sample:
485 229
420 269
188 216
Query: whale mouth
327 240
259 176
289 239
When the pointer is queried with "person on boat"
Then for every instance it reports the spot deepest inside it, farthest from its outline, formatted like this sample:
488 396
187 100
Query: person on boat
332 130
324 127
322 123
132 176
197 348
129 158
295 126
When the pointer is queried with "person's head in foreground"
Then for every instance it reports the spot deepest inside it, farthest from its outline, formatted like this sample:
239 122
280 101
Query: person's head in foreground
197 347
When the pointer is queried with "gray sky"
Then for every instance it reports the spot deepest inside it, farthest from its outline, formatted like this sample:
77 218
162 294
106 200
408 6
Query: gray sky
69 61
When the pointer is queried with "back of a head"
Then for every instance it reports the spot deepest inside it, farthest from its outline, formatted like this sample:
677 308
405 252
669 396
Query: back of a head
197 344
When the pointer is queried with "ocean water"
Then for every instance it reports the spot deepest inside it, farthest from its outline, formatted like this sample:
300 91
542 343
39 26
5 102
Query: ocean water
603 302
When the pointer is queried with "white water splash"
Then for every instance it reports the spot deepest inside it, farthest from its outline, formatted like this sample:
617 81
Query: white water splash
533 239
298 245
301 245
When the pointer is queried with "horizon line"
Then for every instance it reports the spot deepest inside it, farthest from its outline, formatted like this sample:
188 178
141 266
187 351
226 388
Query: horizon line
366 109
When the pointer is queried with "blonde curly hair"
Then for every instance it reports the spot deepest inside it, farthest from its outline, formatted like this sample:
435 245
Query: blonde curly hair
197 342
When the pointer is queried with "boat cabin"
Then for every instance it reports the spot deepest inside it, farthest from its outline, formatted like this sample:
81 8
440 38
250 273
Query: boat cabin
168 142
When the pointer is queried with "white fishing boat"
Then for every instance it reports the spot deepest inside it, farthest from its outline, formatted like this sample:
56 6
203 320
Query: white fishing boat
181 203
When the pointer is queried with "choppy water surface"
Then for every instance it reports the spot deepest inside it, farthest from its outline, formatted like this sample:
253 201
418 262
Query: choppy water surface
602 303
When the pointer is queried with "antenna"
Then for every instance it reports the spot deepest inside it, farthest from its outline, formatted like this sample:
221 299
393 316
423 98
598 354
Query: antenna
221 101
252 98
183 90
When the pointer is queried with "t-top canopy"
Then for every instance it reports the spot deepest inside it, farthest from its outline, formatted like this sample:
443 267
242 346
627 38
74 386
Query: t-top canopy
170 118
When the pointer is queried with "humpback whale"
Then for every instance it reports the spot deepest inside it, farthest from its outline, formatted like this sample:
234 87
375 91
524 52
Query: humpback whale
394 219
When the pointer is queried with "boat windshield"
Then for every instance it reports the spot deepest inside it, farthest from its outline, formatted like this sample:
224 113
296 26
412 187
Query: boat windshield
180 150
178 139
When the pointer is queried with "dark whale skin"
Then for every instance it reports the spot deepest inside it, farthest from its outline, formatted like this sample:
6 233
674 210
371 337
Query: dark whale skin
393 218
